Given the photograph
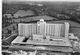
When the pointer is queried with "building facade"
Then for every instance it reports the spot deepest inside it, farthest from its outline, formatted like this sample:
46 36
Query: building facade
27 29
43 28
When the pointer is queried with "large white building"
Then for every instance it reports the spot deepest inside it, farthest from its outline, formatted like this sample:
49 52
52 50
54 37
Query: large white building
43 28
58 32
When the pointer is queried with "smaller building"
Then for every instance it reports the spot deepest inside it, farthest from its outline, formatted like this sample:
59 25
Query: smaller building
37 37
7 16
72 37
19 53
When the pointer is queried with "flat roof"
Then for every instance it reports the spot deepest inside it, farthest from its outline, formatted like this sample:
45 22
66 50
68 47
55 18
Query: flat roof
62 42
65 42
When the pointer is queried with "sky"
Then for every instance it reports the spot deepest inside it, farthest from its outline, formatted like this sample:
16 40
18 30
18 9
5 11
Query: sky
41 0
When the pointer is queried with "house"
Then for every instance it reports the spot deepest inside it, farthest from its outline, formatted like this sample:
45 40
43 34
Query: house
7 16
72 37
